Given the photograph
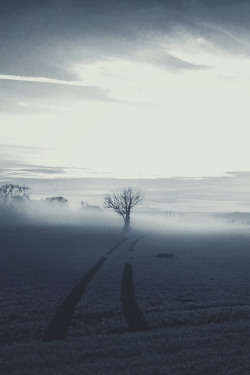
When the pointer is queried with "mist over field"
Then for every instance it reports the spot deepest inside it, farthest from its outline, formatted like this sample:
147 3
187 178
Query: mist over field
39 213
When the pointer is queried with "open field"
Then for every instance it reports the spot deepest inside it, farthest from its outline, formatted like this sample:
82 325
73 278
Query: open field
85 301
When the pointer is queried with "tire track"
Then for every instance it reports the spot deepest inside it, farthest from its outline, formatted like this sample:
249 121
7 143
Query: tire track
63 315
60 322
132 247
118 244
131 311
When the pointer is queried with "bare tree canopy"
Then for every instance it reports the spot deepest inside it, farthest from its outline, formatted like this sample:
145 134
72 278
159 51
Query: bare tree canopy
14 191
123 202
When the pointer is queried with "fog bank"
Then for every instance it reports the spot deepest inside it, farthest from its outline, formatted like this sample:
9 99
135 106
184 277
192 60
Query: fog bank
34 213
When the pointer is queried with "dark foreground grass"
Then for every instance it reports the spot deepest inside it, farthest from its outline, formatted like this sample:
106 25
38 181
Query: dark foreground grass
196 307
221 349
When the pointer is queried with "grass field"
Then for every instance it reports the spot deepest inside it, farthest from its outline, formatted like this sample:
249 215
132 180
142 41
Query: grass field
85 301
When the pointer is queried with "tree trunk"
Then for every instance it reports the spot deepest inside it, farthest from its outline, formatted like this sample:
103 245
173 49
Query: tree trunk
127 222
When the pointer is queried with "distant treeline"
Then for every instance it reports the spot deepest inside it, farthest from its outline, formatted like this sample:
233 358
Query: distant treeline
10 193
174 214
234 217
229 217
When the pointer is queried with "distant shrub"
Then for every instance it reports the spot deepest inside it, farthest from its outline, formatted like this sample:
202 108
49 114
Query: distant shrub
9 192
85 205
13 201
56 200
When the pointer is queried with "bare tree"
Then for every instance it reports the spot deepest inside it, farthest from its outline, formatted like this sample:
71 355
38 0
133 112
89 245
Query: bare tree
123 202
9 191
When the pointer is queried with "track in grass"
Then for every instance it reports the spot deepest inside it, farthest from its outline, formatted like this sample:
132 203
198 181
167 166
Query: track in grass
131 311
60 322
118 244
132 247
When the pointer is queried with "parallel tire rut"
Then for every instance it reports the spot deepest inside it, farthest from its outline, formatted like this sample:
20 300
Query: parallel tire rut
132 247
131 311
118 244
63 315
60 322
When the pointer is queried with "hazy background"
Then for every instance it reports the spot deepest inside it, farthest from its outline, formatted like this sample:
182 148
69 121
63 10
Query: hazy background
211 194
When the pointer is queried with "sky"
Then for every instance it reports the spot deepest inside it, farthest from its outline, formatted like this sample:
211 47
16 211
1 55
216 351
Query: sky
124 89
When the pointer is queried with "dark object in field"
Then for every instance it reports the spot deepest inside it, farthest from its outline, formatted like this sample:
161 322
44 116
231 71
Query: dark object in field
165 255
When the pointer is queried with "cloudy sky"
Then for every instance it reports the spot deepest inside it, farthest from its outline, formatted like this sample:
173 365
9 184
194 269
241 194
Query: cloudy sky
112 88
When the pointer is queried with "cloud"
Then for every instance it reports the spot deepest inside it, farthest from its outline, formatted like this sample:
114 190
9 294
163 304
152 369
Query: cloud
41 80
18 162
9 153
42 42
46 38
34 169
27 94
173 63
91 89
239 174
12 169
